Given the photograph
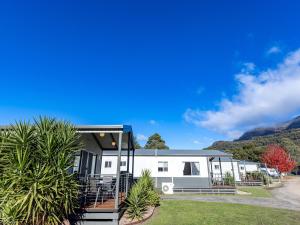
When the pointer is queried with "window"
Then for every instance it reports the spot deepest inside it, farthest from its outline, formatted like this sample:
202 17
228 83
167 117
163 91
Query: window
242 168
123 163
191 169
217 167
107 164
162 166
76 164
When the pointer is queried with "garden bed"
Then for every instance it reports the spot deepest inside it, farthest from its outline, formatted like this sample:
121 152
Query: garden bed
126 221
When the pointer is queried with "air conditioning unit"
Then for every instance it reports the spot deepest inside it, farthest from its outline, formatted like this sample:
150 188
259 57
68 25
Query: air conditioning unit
167 188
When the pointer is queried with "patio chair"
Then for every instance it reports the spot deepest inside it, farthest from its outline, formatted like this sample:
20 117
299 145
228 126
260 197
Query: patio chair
107 188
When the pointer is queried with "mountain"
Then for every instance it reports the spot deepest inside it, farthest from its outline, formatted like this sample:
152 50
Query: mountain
253 143
263 131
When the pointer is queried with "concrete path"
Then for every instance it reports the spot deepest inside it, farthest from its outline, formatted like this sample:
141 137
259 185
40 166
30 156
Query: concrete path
285 197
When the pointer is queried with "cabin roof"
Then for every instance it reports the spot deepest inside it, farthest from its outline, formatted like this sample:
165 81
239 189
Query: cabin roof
175 152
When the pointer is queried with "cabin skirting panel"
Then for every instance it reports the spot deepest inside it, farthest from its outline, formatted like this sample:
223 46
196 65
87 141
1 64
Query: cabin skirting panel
101 218
183 182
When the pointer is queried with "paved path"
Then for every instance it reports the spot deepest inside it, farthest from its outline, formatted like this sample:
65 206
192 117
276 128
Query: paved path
286 197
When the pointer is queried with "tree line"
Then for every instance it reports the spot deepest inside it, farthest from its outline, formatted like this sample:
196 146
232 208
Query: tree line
155 141
254 148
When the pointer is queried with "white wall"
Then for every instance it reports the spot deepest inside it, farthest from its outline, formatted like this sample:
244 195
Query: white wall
175 165
227 167
114 161
249 168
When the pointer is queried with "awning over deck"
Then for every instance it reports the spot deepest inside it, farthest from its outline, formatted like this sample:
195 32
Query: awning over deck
106 137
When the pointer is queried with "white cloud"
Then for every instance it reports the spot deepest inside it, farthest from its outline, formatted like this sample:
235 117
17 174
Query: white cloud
196 142
248 67
273 50
271 96
141 137
152 122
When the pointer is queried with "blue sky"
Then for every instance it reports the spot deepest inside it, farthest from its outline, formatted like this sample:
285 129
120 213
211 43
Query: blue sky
194 71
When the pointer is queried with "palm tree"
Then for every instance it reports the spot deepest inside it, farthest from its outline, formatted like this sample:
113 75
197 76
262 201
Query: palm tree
35 185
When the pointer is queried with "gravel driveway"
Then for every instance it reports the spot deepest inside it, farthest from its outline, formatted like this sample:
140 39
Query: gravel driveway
289 193
285 197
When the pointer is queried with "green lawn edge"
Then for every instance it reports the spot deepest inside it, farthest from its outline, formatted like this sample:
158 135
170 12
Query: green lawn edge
181 212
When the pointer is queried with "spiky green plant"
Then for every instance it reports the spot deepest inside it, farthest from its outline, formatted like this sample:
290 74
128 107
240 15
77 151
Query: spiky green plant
141 196
147 179
228 179
153 198
35 186
137 202
3 162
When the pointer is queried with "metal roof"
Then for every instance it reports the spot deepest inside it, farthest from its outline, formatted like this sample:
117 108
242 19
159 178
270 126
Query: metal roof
93 128
248 162
224 159
173 152
104 128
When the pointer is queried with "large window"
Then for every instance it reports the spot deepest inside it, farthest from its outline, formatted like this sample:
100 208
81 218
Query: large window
191 169
107 164
162 166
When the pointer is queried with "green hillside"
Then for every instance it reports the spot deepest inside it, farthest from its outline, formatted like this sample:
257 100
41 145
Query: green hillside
253 148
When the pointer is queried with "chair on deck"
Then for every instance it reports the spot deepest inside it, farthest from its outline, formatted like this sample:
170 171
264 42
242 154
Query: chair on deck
107 188
91 189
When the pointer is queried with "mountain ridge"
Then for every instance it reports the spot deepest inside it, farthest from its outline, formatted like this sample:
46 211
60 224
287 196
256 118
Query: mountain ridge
263 131
252 144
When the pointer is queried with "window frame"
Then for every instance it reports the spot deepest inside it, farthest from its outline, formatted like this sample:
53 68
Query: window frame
164 167
107 164
191 168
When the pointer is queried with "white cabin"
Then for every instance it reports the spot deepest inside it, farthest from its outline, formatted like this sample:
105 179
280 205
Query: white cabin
185 169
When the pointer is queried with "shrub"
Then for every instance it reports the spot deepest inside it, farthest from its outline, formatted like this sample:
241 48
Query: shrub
259 176
266 179
228 179
141 196
153 198
147 180
137 202
35 186
254 175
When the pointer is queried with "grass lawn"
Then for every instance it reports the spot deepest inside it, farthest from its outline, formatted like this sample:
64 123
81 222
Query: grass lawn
209 213
256 191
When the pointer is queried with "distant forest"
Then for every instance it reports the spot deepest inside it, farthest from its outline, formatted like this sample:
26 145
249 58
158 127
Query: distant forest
252 149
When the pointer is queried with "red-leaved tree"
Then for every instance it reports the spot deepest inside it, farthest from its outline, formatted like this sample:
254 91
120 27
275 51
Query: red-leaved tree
277 157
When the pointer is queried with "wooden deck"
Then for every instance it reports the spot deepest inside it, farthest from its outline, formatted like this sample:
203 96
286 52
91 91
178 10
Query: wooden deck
107 204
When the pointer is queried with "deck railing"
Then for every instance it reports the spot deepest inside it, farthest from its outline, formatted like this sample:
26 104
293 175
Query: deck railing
218 179
99 191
